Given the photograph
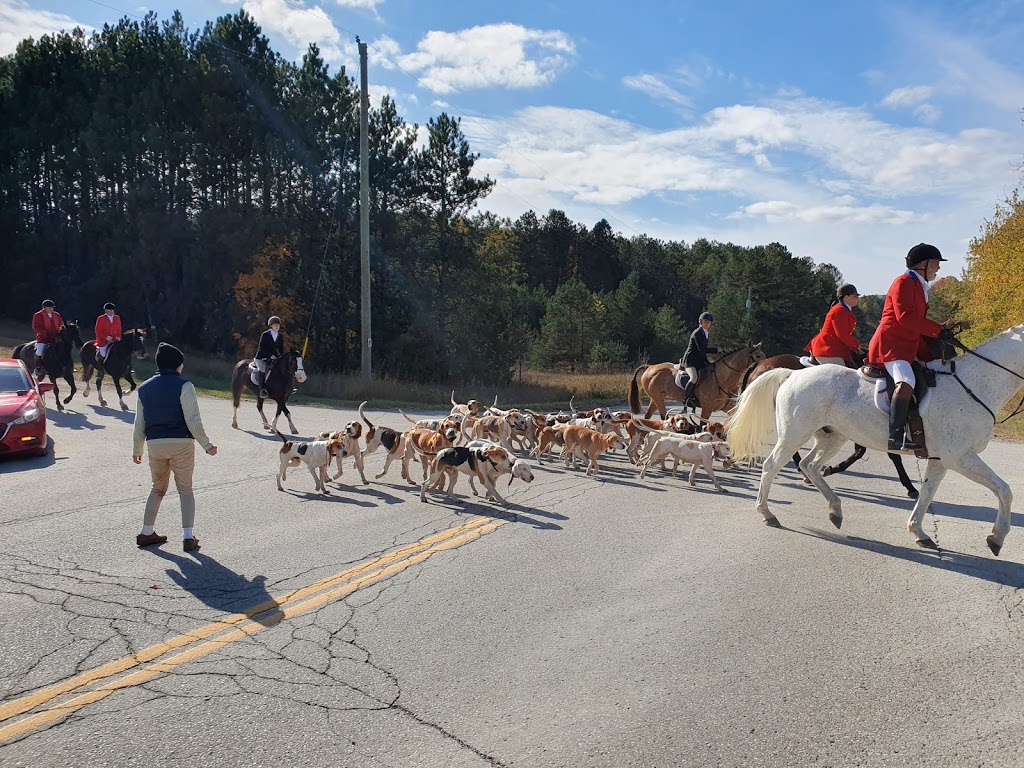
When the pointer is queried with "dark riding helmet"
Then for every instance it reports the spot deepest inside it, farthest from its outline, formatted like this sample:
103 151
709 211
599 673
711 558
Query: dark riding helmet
108 305
846 289
706 316
274 319
922 252
47 303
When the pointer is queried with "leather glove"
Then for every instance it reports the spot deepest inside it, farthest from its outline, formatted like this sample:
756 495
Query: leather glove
945 335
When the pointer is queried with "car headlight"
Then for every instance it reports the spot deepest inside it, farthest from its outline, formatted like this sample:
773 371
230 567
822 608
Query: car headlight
29 415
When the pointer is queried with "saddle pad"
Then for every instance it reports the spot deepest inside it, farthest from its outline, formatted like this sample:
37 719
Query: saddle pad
680 376
882 398
807 361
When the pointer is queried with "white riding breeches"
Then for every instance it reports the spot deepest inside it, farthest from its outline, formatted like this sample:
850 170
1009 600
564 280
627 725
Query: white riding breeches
261 365
831 361
692 373
40 348
102 351
901 371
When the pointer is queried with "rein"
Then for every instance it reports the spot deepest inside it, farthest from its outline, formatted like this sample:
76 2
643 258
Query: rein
954 342
714 370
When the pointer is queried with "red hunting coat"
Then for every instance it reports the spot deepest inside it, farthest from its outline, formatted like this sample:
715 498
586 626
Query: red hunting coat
107 327
47 327
836 336
904 325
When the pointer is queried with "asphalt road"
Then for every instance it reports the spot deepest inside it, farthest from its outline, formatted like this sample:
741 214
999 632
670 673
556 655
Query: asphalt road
597 622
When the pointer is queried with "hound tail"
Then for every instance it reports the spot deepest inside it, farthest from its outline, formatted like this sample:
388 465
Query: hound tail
407 417
633 396
454 404
753 421
363 415
283 438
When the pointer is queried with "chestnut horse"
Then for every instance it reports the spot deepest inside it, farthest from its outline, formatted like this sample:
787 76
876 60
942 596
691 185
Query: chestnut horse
792 362
717 385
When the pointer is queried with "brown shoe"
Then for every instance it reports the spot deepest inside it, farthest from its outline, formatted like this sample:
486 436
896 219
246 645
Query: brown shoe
149 539
189 544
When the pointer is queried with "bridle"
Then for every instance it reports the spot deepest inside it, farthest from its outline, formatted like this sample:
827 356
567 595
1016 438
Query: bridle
722 360
955 342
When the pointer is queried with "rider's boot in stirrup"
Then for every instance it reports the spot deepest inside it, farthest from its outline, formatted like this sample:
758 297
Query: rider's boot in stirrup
262 377
899 410
40 372
100 370
688 393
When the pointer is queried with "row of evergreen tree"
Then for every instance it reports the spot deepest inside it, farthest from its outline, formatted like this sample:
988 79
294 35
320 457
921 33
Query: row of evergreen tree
203 182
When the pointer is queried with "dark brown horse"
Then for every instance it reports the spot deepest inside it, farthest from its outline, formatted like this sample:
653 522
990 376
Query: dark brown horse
118 364
279 383
792 362
57 359
717 385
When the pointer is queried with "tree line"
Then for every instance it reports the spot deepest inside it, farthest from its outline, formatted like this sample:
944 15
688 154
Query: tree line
203 182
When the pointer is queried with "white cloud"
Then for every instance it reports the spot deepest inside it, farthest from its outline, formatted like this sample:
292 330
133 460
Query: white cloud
842 211
298 25
657 89
908 96
494 55
18 21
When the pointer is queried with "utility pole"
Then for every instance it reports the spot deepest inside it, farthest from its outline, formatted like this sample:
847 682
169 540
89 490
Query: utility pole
364 211
750 304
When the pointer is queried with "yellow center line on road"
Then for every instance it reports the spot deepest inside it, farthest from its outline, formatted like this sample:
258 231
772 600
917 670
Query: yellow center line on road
293 604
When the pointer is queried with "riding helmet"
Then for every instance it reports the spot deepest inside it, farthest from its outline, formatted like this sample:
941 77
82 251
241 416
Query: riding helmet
846 289
47 303
706 316
108 305
922 252
274 319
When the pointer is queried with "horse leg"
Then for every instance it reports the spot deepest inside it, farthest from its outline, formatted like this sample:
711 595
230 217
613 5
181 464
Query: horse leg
826 445
897 461
86 377
56 392
973 468
288 415
858 453
933 475
99 388
786 446
259 407
120 393
69 377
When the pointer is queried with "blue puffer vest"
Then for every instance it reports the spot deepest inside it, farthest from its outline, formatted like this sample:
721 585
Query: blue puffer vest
161 402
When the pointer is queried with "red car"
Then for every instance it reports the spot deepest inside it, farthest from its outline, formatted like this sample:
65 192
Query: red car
22 413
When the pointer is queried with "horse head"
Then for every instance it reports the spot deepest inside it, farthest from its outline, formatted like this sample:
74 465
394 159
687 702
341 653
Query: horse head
756 353
71 333
136 338
294 367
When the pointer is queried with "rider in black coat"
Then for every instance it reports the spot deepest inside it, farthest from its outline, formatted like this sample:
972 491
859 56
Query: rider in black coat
270 349
695 359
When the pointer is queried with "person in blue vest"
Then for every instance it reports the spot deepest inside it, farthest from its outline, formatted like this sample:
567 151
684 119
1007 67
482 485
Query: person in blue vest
695 359
168 424
271 347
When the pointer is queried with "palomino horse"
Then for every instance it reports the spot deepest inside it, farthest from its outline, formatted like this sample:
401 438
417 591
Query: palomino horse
57 359
835 404
717 384
280 377
118 363
792 362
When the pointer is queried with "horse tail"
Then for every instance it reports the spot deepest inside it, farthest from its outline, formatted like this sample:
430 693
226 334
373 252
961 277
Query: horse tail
753 420
633 396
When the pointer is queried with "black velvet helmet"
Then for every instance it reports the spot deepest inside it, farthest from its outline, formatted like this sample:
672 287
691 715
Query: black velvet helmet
922 252
706 316
846 289
47 303
274 319
108 305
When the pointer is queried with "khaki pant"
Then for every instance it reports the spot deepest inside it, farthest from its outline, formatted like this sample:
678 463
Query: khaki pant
166 458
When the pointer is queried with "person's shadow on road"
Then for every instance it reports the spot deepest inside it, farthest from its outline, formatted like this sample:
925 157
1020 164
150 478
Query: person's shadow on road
219 587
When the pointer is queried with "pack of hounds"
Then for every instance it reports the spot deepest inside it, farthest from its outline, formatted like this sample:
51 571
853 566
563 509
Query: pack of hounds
482 443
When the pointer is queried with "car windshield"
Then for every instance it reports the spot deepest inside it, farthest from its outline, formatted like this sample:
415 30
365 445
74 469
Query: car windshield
14 380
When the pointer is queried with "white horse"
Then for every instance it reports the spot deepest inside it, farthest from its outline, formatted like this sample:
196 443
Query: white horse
836 404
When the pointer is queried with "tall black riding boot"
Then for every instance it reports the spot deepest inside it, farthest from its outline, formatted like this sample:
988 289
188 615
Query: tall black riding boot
262 378
40 372
899 410
688 392
100 370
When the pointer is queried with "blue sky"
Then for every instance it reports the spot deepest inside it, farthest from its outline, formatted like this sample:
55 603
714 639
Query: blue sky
846 131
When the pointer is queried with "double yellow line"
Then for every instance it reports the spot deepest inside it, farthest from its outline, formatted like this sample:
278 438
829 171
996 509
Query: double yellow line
155 661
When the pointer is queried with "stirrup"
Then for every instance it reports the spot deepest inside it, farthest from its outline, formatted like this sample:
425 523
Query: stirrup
264 393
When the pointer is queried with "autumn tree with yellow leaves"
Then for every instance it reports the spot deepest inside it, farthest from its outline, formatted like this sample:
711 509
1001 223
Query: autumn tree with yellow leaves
993 285
269 289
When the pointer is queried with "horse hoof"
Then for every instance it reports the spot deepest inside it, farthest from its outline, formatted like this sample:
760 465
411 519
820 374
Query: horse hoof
295 431
993 546
124 407
772 522
103 403
927 543
912 493
827 471
836 520
60 408
234 425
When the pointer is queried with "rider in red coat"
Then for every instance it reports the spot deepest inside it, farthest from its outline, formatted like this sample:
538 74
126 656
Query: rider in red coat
836 341
901 334
46 323
108 330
